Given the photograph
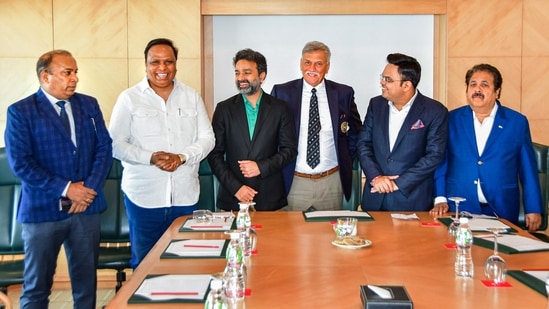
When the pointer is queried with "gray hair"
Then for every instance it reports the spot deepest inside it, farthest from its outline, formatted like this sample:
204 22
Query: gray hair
316 46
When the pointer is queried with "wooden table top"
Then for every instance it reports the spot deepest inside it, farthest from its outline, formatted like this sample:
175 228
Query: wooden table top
298 267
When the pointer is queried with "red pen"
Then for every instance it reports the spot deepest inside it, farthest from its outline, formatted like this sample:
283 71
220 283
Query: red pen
200 246
173 293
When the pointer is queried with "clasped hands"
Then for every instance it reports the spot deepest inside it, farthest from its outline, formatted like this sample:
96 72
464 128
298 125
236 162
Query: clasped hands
248 169
81 197
166 161
384 184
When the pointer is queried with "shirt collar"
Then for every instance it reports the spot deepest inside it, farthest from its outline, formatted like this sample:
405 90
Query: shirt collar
319 88
247 102
144 85
53 100
406 106
492 113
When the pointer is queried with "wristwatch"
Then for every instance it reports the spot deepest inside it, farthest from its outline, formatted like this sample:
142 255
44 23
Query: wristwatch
182 158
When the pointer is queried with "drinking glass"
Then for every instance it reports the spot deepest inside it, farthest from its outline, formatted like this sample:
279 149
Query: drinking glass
203 216
452 228
495 268
345 226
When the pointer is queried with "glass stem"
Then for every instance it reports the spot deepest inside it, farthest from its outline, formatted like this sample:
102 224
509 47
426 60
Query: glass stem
495 243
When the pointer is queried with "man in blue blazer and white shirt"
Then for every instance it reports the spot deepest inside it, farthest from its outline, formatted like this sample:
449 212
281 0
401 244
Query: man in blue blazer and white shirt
489 151
323 184
402 141
58 145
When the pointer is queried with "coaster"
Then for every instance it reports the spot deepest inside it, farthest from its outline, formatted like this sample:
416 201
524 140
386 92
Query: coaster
492 284
450 246
430 224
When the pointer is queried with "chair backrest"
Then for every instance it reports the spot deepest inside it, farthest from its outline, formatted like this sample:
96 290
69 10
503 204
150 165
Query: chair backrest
114 221
542 159
209 186
10 193
356 193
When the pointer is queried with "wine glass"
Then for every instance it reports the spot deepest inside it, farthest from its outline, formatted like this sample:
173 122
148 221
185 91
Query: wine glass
452 228
495 268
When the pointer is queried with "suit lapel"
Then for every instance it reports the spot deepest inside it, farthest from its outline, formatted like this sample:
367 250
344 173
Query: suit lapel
264 111
467 127
240 118
47 109
333 104
413 115
500 120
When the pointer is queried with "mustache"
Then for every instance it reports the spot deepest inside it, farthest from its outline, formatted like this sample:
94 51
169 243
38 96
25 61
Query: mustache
312 73
478 94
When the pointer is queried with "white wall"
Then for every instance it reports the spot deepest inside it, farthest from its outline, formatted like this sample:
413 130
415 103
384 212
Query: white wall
359 45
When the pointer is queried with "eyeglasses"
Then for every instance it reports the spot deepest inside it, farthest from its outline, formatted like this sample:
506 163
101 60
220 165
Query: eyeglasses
389 80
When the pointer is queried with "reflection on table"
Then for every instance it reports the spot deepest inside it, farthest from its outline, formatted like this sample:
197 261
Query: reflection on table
297 266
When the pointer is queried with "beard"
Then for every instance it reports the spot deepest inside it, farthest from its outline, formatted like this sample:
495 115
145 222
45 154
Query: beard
253 86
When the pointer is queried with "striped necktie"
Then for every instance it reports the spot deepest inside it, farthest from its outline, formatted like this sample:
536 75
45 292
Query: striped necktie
313 136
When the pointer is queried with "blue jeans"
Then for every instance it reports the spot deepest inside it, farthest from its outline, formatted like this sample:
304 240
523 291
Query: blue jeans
42 242
148 224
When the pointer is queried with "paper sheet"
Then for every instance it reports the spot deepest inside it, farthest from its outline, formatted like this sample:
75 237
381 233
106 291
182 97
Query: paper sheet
521 243
336 213
197 247
481 224
166 287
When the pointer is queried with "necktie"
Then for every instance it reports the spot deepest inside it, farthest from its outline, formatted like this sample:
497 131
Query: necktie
63 116
313 138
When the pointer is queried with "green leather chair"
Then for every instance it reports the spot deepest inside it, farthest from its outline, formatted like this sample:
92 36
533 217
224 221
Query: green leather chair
356 193
542 158
115 251
11 243
209 186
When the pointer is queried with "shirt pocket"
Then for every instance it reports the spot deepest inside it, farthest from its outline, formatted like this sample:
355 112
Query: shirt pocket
187 120
147 123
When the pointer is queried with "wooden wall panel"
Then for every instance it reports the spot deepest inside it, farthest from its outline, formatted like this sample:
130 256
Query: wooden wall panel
484 28
535 62
25 28
91 28
322 7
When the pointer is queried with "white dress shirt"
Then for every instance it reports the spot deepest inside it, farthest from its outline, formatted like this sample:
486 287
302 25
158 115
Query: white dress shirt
328 155
396 119
142 123
482 132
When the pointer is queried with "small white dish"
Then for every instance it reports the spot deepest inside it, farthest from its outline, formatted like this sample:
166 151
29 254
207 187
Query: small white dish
360 243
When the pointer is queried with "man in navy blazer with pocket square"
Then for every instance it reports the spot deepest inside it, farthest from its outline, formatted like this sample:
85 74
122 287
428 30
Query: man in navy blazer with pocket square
62 167
402 141
325 184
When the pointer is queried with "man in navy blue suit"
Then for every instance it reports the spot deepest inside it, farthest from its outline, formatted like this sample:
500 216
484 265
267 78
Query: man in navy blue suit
323 180
489 151
58 145
402 141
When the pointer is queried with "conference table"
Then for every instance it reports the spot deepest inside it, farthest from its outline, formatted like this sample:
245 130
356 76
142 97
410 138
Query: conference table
297 266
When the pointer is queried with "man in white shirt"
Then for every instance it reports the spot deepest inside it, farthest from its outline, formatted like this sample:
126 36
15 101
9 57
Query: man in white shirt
489 151
161 132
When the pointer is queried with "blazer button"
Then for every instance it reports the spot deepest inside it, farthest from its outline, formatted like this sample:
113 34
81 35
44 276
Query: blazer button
480 162
475 182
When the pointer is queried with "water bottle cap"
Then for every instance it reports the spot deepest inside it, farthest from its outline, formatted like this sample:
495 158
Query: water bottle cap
463 220
243 205
216 284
